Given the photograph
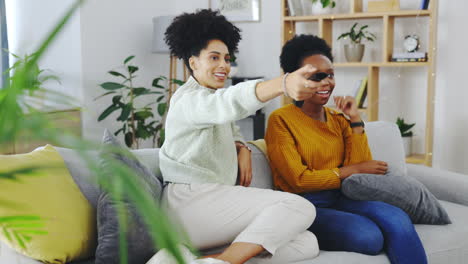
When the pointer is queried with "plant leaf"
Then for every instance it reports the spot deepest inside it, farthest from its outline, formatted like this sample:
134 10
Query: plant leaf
107 112
116 133
140 91
129 58
162 108
128 139
117 74
116 99
162 137
126 110
102 95
178 82
142 115
132 69
156 81
111 85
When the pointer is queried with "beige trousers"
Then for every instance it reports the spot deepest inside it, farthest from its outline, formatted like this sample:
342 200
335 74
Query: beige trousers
214 215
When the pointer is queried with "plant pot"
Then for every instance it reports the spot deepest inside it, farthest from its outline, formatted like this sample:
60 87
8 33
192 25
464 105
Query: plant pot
354 52
407 141
314 9
317 9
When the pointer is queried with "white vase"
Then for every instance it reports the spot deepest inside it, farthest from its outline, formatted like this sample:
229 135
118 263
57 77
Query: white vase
407 141
317 9
313 9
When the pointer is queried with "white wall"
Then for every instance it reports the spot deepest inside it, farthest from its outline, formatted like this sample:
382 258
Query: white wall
111 30
29 21
451 116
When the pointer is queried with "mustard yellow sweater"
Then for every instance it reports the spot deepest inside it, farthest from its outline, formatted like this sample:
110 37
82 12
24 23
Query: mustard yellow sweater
304 152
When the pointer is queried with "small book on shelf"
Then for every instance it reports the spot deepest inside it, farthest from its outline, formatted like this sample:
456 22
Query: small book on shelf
415 55
424 4
362 92
409 59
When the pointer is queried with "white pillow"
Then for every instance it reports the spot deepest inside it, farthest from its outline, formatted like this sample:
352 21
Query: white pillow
386 145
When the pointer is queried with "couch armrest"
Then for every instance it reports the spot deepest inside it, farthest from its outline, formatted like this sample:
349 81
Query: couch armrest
261 172
445 185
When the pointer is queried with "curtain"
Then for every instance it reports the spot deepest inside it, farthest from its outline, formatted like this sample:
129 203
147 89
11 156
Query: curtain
4 44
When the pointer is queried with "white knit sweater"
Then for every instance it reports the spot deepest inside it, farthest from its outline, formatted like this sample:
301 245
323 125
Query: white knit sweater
200 132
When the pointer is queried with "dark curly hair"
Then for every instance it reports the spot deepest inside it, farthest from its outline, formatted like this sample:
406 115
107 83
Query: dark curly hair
299 48
189 33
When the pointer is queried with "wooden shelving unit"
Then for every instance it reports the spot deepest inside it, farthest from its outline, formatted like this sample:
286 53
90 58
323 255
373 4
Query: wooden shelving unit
325 29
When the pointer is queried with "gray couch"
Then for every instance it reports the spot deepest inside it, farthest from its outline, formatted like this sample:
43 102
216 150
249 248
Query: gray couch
443 244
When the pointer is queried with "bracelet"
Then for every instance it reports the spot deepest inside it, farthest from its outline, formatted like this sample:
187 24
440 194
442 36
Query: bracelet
356 124
284 84
247 147
337 173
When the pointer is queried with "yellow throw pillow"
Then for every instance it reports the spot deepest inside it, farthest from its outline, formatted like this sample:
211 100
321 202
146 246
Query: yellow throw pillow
67 229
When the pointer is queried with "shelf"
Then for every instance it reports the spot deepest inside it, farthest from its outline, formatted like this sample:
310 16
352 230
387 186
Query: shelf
416 159
389 21
380 64
401 13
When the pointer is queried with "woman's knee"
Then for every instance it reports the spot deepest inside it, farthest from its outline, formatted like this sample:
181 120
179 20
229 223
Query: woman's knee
369 242
391 215
303 207
342 231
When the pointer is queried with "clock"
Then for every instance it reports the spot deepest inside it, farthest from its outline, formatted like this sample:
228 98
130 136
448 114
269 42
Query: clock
411 43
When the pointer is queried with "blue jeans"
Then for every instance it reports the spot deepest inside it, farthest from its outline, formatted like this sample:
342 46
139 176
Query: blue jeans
365 227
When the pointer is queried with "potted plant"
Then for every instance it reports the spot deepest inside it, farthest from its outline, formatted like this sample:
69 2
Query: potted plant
406 134
138 123
355 50
318 7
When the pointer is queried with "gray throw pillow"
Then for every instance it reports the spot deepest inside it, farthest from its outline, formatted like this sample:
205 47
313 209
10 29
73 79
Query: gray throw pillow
404 192
140 247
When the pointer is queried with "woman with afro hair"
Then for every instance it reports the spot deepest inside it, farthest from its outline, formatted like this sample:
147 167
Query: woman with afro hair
312 148
203 154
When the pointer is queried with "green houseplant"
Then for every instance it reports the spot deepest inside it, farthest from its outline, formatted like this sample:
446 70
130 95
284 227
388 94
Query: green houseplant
318 7
406 134
355 50
138 123
13 121
325 3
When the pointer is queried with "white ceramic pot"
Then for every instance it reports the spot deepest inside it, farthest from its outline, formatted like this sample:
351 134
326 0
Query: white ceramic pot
317 9
407 141
354 52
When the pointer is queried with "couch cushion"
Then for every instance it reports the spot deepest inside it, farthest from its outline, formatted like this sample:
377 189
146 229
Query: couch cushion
403 192
86 180
49 193
443 244
448 243
386 144
140 247
261 172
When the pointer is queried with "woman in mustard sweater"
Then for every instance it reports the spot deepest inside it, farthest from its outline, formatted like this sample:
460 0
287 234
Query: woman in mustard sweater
312 148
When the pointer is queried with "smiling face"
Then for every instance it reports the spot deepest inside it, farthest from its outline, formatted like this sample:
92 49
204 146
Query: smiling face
212 66
326 86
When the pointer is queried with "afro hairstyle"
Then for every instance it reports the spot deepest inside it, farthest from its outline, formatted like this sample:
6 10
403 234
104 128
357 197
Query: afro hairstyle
299 48
189 33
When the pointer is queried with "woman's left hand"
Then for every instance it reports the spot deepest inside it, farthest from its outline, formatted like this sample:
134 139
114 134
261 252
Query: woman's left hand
244 161
347 104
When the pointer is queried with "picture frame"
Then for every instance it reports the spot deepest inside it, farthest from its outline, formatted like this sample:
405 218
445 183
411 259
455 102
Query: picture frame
238 10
